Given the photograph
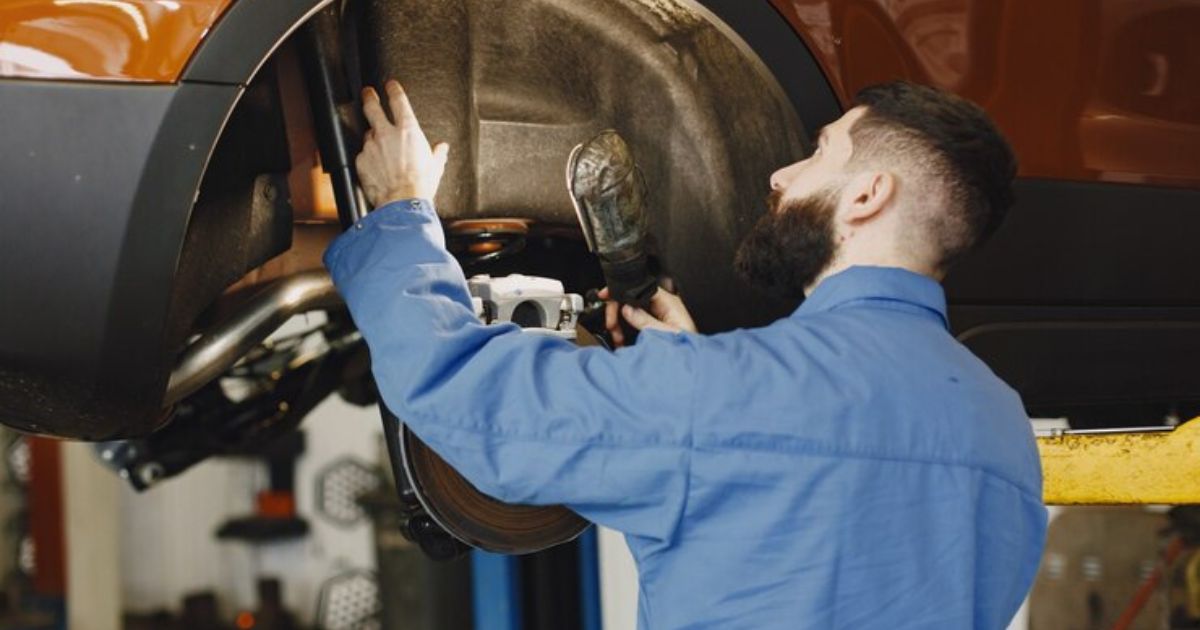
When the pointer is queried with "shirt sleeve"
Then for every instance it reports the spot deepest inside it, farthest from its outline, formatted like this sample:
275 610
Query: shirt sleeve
527 418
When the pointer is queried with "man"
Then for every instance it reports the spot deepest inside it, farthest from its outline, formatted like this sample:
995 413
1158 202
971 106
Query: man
850 466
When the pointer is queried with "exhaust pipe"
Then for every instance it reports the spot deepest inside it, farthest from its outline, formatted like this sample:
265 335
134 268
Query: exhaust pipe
222 346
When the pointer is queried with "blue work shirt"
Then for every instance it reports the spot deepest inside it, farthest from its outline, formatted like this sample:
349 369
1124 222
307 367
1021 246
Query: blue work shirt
849 466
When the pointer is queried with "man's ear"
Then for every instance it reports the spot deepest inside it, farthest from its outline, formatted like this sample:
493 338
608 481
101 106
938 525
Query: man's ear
867 195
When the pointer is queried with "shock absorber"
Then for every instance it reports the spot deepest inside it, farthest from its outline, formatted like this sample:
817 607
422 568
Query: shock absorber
325 76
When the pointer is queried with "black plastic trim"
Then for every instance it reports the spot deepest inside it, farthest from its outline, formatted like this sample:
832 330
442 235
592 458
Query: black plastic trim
1097 361
94 217
242 41
1086 301
786 55
1088 244
154 237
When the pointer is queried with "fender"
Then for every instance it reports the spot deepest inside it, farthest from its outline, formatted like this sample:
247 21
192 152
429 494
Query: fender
102 210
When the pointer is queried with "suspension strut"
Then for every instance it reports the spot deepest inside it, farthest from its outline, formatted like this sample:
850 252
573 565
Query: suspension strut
330 97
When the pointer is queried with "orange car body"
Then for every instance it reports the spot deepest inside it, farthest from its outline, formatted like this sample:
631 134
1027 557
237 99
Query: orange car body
1085 90
146 41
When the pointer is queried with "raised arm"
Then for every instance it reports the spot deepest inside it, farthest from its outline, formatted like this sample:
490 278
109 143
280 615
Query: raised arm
527 418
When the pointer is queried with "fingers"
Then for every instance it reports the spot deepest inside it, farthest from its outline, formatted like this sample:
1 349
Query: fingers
398 101
642 320
611 309
441 153
612 323
677 314
612 317
373 109
663 302
401 107
660 304
359 162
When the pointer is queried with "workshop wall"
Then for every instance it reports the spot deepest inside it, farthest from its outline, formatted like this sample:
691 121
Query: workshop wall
168 547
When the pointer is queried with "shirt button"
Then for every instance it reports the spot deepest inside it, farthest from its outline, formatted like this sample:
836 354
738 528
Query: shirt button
358 226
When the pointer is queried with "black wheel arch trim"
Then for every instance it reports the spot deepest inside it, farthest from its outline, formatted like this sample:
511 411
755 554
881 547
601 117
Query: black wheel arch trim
245 37
158 221
786 56
96 216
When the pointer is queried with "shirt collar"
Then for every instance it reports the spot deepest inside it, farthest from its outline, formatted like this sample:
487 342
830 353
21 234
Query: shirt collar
877 283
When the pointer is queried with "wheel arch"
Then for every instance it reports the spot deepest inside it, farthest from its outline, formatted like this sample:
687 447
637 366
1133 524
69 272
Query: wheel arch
109 384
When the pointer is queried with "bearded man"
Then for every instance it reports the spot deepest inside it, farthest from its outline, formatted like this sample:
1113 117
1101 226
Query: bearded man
849 466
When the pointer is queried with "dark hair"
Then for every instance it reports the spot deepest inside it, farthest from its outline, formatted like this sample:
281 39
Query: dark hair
953 140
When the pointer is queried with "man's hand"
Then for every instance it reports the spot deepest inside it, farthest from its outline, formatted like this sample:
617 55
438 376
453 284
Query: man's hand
667 312
396 161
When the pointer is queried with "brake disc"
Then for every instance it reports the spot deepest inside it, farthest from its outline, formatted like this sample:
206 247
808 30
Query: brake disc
446 513
477 519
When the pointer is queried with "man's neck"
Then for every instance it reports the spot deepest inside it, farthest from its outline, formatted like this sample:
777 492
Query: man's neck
839 265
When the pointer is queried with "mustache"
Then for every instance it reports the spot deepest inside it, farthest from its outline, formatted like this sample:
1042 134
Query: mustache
774 201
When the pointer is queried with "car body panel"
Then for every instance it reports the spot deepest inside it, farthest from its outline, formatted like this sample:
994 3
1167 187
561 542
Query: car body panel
103 40
1085 90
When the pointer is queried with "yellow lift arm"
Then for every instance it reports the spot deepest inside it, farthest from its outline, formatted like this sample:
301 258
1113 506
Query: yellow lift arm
1122 467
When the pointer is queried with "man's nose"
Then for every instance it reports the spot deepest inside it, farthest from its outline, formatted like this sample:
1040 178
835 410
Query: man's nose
781 178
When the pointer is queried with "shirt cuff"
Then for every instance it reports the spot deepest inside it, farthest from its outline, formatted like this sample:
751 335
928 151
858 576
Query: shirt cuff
394 213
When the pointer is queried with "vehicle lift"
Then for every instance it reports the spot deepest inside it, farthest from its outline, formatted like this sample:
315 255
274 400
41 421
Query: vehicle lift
1131 467
1151 466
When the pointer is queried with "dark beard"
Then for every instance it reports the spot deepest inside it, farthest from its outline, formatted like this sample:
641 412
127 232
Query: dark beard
791 245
